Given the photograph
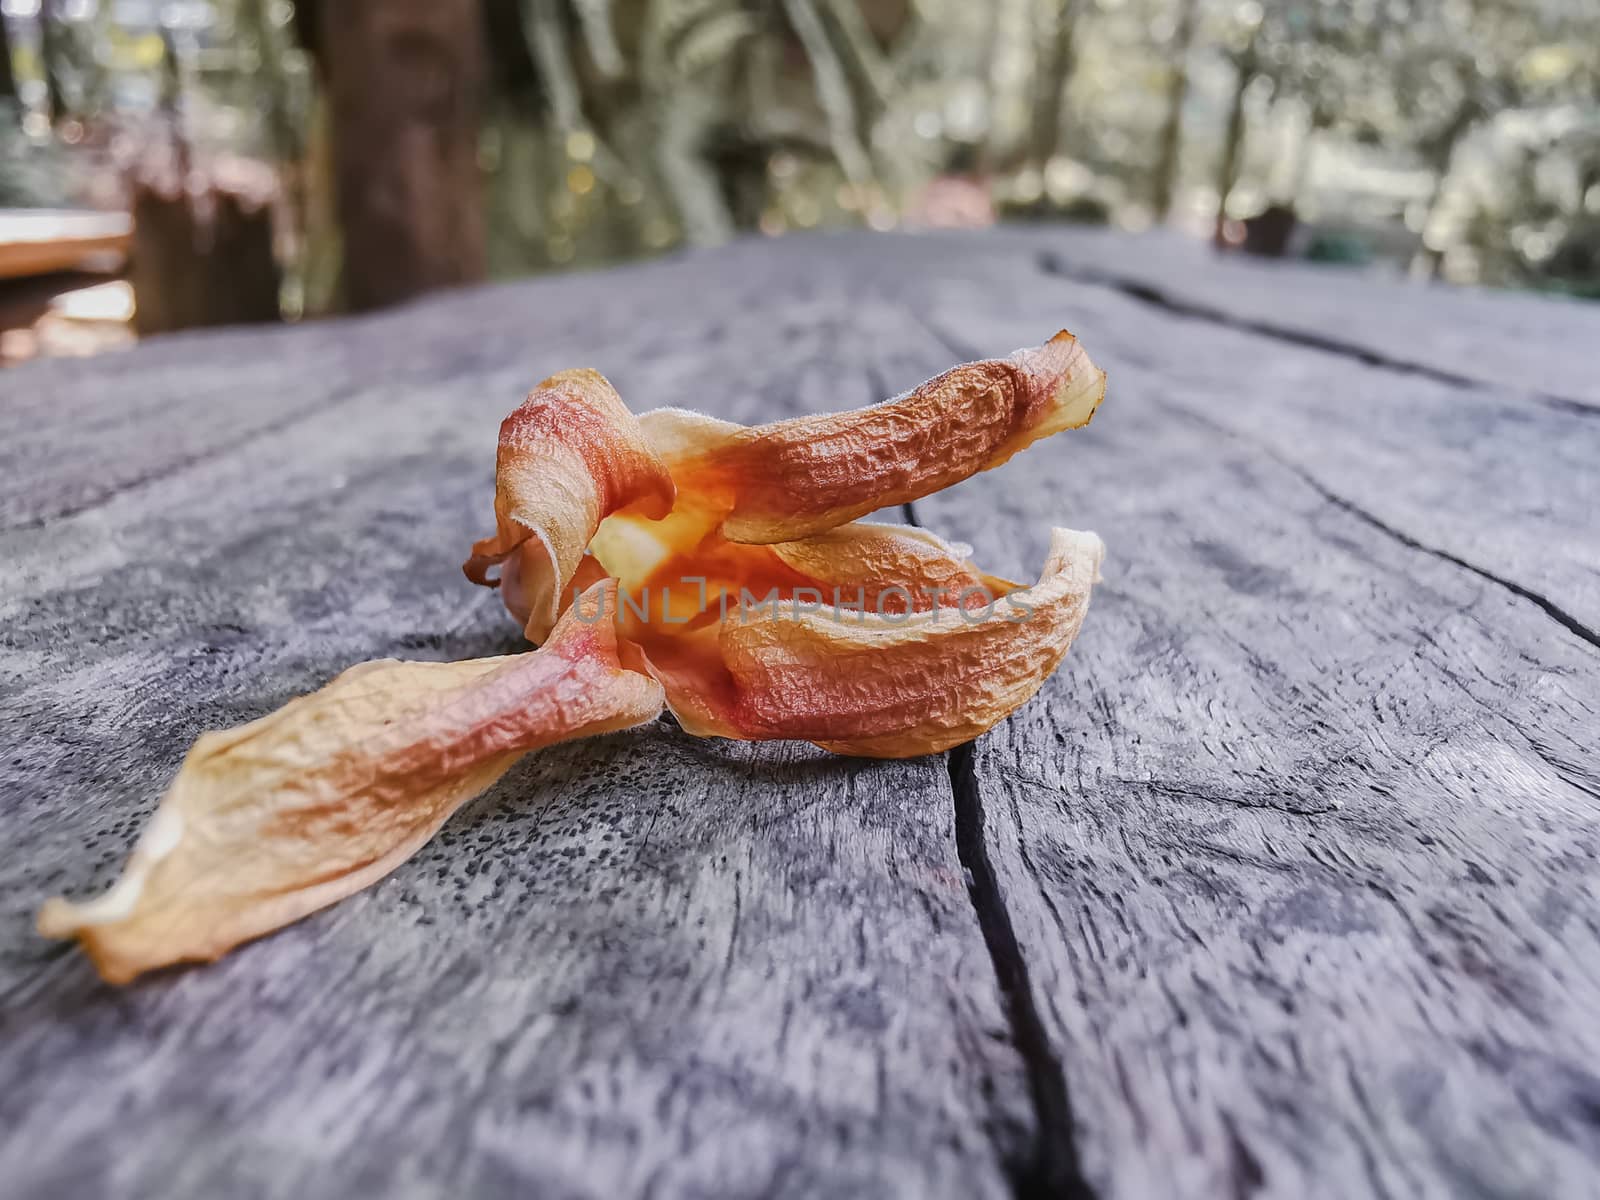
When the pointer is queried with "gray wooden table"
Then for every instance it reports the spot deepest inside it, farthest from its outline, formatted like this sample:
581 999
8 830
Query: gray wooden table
1285 885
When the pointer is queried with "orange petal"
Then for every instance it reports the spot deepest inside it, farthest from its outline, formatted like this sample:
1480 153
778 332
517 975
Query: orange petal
878 685
285 815
777 482
571 455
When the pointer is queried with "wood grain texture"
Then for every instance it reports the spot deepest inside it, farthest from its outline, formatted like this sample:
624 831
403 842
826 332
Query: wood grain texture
1284 886
1300 846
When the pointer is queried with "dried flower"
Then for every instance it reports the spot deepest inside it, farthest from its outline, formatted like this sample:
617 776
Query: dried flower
670 560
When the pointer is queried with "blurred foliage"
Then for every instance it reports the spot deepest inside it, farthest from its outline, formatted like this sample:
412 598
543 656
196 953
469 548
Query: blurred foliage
1459 136
33 175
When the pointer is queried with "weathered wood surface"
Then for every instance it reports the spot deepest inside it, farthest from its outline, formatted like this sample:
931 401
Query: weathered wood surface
1461 335
1285 885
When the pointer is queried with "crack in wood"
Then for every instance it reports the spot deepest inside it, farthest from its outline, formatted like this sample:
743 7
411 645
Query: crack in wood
1141 291
1545 605
1051 1167
1052 263
1552 610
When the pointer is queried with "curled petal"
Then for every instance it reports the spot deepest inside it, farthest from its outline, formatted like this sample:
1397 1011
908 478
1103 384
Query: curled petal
777 482
884 686
571 455
278 818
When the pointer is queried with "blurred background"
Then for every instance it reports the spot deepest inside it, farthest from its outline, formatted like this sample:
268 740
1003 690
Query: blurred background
176 163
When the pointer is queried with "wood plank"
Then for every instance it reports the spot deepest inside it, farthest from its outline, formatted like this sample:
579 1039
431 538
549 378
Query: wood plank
1287 875
1512 340
1299 847
645 965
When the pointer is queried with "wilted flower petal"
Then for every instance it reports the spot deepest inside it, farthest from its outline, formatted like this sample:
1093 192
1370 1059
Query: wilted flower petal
777 482
285 815
571 455
878 685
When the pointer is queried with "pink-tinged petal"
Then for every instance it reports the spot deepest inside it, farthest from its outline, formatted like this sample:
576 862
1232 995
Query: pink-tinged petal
569 457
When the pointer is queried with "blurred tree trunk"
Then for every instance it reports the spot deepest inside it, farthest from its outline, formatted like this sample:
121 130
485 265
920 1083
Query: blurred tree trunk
869 68
404 80
8 80
994 44
1441 154
1056 63
1166 187
175 72
322 257
52 52
1233 139
202 249
270 82
1295 170
833 90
